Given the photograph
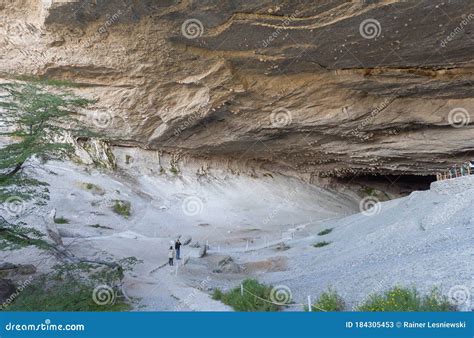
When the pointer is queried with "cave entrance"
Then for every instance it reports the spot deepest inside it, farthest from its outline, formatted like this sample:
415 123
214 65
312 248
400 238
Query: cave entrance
396 185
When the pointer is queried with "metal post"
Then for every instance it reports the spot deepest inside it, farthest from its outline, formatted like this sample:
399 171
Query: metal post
242 290
310 306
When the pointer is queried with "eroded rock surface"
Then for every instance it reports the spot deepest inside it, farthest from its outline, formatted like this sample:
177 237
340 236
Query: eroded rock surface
325 88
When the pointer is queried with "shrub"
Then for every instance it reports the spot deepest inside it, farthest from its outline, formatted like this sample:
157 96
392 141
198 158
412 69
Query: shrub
174 170
405 299
248 302
122 208
93 188
325 232
321 244
328 301
61 220
68 295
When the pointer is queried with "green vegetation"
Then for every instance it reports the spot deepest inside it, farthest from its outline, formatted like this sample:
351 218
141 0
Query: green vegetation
77 287
174 170
98 226
17 236
328 301
46 81
248 302
325 232
93 188
405 299
61 220
68 295
122 208
321 244
38 121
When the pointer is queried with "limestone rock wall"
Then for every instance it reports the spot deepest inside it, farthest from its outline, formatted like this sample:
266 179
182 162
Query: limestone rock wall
319 87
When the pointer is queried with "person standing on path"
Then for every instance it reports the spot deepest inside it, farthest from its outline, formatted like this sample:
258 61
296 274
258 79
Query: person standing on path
170 256
177 246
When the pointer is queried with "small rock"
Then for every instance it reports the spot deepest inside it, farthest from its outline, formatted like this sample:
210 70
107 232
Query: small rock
227 265
203 251
27 269
186 240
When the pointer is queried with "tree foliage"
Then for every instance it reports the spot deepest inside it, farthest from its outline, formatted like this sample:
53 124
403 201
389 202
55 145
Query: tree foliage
36 121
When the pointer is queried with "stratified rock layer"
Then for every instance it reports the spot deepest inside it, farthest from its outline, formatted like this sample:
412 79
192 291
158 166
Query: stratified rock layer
329 88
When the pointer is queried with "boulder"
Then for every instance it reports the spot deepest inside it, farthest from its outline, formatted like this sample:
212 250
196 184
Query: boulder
227 265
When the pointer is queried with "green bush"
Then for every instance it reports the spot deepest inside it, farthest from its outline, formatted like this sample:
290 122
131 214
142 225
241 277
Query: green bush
405 299
321 244
61 220
122 208
328 301
248 302
69 295
325 232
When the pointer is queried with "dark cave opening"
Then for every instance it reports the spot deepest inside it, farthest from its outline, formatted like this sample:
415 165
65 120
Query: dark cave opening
401 185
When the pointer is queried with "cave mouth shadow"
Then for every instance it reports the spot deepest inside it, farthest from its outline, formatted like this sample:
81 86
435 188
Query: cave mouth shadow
402 184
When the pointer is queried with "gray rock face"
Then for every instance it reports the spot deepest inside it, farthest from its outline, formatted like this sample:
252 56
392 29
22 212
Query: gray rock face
324 88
